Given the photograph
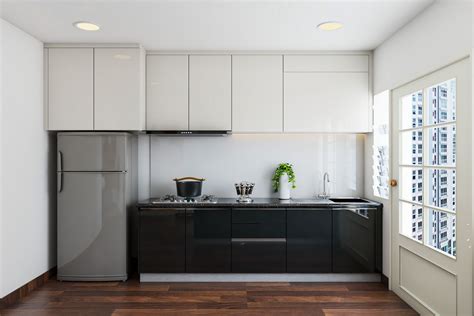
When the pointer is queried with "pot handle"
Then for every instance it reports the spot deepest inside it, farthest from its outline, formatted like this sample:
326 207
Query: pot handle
189 178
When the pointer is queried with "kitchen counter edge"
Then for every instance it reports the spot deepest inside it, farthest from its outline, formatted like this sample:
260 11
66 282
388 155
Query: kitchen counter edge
259 203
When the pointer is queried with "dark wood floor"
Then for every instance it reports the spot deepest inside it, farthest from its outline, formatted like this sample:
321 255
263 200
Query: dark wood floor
133 298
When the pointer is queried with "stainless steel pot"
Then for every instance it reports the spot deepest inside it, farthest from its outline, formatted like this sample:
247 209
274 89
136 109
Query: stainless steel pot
189 187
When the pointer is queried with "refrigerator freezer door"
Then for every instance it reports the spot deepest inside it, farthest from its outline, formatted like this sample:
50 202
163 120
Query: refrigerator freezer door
93 152
92 227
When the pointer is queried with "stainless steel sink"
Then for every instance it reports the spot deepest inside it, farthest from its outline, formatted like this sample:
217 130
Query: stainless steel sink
348 200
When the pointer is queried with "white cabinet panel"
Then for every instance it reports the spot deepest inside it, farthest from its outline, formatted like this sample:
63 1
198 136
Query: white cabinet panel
70 89
210 92
326 63
326 102
119 89
257 93
167 92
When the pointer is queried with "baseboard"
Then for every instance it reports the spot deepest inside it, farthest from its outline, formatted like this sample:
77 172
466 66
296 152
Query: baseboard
259 277
26 289
384 280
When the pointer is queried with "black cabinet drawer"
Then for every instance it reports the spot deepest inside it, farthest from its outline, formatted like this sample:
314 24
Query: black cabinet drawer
208 247
260 255
258 223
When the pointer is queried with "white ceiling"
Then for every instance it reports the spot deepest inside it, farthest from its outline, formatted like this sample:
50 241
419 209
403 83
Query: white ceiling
216 25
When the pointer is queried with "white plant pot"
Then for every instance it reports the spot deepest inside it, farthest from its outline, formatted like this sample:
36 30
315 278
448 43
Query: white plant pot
284 187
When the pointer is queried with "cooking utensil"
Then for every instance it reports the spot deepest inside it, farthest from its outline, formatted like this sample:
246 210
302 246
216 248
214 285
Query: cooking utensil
244 189
189 187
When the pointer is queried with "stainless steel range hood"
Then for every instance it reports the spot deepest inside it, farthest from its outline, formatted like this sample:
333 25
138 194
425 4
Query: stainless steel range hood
190 133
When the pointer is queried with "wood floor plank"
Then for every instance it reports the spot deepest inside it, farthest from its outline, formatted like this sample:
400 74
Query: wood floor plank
188 299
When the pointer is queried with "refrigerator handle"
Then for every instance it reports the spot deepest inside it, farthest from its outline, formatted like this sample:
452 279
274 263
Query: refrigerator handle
60 161
60 182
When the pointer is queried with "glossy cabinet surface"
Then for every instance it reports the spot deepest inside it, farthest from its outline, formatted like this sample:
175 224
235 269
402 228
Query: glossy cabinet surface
210 95
309 233
237 240
327 102
257 93
119 78
70 88
162 245
167 92
208 240
258 240
354 240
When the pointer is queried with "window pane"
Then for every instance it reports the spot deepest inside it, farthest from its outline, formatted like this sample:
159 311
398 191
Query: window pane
412 111
442 146
442 231
411 221
411 184
442 102
441 188
411 147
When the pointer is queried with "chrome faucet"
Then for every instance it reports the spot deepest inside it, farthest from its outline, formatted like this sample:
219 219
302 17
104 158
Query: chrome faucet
324 195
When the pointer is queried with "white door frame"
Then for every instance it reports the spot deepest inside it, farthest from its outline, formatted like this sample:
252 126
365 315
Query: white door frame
410 260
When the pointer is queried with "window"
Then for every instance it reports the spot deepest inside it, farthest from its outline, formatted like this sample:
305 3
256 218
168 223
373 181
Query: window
381 145
428 166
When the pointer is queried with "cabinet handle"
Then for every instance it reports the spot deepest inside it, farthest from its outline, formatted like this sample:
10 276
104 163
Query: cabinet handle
258 240
393 183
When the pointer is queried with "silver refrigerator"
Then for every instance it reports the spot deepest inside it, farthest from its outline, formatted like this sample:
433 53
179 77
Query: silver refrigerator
96 198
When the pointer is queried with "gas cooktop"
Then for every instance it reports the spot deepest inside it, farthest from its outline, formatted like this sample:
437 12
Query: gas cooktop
204 199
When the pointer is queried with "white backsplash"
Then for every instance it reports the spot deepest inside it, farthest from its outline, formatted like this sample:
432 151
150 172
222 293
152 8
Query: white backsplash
223 161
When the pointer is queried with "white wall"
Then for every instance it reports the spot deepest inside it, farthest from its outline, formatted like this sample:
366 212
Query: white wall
223 161
28 229
438 36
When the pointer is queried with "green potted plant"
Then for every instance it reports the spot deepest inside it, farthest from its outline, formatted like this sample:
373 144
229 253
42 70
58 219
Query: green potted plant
283 180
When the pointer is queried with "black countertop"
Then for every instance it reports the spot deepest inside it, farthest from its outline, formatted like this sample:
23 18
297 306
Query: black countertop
257 203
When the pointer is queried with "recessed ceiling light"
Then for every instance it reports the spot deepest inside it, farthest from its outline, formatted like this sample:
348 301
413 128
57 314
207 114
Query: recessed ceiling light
330 26
86 26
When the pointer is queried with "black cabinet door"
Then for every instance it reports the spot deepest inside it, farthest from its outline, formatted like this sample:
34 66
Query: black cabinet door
354 240
208 240
162 240
309 240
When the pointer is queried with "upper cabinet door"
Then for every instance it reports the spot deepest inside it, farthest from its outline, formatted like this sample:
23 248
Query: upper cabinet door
327 102
167 92
70 89
257 93
119 89
327 93
326 63
210 92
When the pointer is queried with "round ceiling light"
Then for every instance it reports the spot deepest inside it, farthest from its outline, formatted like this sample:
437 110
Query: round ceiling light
86 26
330 26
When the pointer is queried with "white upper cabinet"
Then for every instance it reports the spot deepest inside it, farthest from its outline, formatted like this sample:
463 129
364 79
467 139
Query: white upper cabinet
70 88
329 94
326 63
119 89
210 92
167 92
257 93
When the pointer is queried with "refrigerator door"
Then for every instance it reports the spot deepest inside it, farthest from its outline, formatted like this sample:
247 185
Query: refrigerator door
93 152
92 226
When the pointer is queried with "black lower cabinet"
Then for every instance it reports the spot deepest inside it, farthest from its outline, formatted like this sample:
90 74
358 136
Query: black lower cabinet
208 240
309 234
258 240
162 242
354 237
